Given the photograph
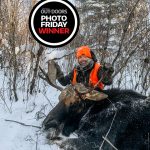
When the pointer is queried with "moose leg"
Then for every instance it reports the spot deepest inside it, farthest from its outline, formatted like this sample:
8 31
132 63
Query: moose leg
55 116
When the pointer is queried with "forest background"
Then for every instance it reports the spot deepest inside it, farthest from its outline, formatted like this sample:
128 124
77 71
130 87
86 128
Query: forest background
118 31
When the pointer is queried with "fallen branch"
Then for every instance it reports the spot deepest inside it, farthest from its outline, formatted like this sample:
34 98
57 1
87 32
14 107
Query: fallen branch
23 124
109 143
108 131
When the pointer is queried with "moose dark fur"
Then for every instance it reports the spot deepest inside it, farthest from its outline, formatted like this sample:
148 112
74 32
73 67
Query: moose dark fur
123 118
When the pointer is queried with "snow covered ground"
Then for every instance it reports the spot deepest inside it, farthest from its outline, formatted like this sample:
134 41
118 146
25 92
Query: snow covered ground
14 136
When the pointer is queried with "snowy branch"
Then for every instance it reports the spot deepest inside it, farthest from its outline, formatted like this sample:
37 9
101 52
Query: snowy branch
23 124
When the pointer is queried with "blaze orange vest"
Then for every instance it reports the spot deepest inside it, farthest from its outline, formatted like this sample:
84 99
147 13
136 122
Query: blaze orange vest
93 79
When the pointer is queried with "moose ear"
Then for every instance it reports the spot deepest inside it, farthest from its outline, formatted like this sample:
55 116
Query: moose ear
95 96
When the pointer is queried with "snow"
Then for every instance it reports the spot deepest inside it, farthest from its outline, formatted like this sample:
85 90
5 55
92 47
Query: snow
5 43
15 136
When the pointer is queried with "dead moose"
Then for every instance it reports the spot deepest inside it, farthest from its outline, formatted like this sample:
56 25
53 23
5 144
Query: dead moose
74 102
119 121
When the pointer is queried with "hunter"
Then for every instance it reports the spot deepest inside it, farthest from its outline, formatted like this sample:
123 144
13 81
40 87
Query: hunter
88 71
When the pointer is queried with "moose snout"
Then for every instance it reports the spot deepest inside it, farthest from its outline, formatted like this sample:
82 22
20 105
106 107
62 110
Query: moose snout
50 124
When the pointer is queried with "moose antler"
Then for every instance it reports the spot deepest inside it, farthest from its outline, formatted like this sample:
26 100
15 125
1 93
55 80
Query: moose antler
86 93
46 78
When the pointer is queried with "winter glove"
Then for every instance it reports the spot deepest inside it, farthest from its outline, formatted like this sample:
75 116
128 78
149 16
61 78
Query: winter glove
105 73
107 67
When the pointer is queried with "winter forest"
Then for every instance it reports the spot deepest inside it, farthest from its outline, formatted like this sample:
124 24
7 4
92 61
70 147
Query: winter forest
118 31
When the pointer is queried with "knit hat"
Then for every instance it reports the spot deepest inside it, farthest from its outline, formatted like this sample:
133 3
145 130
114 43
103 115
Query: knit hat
83 50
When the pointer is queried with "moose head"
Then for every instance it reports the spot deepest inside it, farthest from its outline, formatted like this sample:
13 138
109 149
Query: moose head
71 99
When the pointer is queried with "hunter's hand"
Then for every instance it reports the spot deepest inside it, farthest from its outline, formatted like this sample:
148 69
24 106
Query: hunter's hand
108 67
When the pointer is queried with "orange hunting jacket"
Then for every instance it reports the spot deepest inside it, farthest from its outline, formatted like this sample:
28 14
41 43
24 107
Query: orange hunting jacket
93 79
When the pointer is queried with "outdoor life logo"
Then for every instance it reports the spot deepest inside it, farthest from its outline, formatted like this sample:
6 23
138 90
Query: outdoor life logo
54 23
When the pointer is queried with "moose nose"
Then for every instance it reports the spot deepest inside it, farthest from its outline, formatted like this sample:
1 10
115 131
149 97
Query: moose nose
51 124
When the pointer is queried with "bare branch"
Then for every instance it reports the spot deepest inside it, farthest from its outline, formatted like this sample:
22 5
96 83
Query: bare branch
23 124
40 51
63 56
127 22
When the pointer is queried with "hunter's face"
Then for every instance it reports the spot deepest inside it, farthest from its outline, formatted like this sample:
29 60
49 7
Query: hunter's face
83 60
